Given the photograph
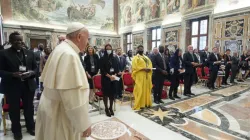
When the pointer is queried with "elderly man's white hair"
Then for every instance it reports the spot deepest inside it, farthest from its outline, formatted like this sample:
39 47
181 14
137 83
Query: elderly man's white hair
74 29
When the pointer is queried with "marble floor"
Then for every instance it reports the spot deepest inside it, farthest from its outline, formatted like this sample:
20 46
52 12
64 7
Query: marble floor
223 114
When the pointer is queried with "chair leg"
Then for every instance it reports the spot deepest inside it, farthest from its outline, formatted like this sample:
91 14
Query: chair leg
99 106
131 100
4 123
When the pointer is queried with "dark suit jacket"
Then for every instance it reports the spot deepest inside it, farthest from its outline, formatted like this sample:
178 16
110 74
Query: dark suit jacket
211 60
226 59
88 64
10 64
158 63
203 56
122 62
235 63
187 60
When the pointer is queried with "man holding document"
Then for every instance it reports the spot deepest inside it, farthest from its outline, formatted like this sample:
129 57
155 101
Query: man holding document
17 70
142 75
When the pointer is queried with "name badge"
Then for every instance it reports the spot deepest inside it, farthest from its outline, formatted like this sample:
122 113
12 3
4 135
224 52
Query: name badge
112 70
22 68
92 67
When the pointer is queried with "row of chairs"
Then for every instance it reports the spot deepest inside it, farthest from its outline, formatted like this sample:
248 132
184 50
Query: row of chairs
128 89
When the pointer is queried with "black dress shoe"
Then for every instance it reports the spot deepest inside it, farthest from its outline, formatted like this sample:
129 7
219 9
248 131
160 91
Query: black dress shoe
171 98
187 95
177 97
31 132
111 112
160 101
107 112
157 102
191 94
18 136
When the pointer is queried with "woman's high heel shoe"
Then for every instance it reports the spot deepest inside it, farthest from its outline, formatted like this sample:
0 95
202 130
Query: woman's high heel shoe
107 112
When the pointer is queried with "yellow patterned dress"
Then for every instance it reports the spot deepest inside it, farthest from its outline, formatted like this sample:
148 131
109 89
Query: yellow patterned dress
143 81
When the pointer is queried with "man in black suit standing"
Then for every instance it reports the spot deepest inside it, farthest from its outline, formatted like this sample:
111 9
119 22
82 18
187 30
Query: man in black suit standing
228 62
159 62
214 61
17 70
204 59
190 62
122 65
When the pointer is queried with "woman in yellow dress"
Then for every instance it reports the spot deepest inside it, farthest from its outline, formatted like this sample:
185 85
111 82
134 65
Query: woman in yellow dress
142 75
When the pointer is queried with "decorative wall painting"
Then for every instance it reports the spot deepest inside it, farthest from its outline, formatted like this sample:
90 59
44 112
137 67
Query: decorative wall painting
195 3
234 28
173 6
137 11
137 40
234 45
98 14
172 36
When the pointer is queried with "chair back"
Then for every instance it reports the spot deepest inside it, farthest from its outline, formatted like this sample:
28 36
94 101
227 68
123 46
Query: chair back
97 82
206 70
198 71
127 79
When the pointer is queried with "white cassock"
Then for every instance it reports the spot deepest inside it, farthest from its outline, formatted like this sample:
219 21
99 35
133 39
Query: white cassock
63 107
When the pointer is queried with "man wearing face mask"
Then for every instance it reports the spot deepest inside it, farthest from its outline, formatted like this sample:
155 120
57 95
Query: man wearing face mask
159 74
190 62
17 70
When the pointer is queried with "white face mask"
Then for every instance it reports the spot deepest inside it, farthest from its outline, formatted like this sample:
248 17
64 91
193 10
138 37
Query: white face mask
109 52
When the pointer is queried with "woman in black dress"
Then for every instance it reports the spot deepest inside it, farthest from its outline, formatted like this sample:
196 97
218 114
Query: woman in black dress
91 61
109 68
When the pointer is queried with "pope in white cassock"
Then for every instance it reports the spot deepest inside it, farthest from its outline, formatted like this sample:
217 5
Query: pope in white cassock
63 108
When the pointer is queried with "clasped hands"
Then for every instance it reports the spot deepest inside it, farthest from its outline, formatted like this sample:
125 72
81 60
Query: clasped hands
195 64
146 69
22 75
217 62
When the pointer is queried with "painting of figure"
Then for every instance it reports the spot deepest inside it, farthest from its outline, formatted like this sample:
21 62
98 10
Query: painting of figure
173 6
154 8
196 3
98 14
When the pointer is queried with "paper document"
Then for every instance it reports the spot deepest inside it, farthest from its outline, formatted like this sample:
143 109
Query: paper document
116 78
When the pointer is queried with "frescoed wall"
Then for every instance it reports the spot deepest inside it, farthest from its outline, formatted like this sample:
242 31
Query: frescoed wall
136 11
96 14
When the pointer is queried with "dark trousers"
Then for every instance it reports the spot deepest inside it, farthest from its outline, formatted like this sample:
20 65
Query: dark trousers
27 98
188 82
234 73
118 88
158 86
227 71
213 75
174 79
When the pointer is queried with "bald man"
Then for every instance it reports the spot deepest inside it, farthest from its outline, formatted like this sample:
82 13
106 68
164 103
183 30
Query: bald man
190 62
63 108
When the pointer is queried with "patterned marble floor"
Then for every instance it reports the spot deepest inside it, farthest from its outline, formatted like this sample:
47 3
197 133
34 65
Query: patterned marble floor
223 114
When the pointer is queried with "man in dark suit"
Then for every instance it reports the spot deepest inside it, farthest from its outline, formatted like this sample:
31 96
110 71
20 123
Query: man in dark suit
234 67
17 70
228 62
190 62
204 59
159 62
122 65
214 61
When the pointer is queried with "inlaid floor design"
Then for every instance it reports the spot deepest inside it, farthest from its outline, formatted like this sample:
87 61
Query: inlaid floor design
223 114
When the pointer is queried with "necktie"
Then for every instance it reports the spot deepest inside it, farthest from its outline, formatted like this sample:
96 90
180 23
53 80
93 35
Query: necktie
192 56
